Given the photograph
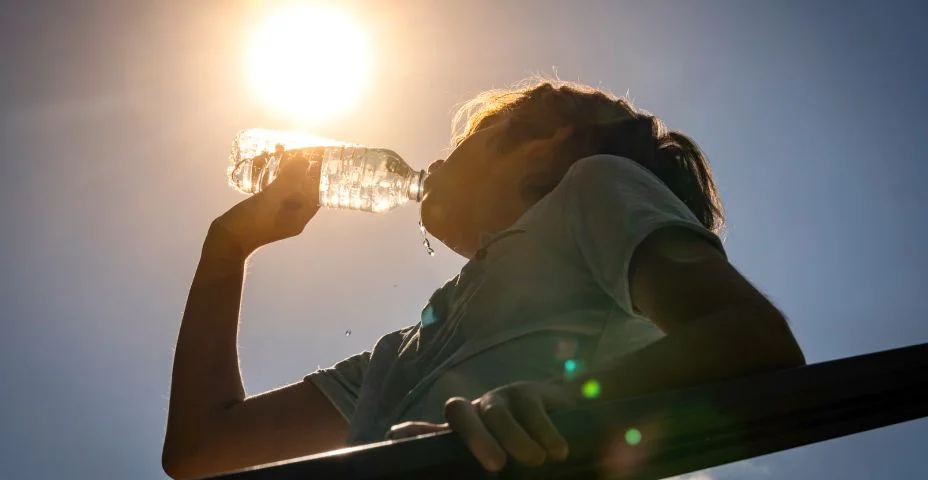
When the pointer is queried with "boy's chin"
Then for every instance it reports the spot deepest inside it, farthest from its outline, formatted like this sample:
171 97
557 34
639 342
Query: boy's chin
439 225
432 215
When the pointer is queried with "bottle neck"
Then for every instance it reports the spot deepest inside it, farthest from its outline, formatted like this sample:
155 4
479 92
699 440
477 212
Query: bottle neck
416 180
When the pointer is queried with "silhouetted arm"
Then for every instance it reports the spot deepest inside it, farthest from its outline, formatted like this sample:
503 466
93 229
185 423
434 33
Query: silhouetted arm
718 325
212 427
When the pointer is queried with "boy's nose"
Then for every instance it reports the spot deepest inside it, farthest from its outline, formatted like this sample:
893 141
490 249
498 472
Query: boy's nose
435 165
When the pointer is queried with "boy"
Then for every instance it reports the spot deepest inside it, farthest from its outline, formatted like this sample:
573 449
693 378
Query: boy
591 233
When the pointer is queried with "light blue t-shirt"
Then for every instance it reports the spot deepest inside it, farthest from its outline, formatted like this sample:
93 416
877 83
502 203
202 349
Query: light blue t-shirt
544 298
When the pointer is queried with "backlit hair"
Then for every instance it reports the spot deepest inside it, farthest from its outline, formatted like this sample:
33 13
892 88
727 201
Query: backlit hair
602 124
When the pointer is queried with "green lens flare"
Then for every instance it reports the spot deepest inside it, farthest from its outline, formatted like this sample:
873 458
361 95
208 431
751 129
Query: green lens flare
570 366
591 388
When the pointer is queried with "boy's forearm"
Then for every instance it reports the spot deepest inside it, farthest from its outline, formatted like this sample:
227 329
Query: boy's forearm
729 344
206 375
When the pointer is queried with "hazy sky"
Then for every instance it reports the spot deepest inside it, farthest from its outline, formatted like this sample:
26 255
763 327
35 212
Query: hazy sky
117 117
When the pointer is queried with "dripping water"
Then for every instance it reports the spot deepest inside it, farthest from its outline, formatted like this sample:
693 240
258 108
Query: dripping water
425 240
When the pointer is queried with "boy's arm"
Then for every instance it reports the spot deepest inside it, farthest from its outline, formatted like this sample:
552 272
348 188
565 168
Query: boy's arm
212 426
718 325
647 250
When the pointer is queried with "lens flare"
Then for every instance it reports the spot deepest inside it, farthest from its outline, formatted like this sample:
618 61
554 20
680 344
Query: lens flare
570 366
591 388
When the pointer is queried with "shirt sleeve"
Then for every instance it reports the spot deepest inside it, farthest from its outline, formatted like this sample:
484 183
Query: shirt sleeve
341 383
613 204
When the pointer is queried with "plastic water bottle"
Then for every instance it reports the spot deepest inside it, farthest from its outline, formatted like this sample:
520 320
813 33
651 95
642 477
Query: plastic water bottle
352 176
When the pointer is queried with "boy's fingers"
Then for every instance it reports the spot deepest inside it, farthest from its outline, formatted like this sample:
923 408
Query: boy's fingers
536 421
499 419
464 419
292 167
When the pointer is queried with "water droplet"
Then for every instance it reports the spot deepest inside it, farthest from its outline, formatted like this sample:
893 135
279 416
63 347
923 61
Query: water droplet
347 332
425 240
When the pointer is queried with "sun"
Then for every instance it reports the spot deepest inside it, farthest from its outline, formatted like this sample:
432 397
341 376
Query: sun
308 61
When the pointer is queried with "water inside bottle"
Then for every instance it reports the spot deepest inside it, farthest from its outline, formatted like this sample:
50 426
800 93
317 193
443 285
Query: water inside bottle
366 179
351 177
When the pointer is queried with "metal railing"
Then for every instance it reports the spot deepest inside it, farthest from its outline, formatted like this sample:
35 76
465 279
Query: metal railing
671 433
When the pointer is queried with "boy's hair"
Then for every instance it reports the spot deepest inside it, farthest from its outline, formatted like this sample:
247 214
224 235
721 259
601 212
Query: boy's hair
602 123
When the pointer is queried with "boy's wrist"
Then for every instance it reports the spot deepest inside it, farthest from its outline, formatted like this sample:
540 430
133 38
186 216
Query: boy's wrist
221 244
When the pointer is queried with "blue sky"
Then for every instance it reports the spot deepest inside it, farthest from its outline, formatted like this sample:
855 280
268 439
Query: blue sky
117 117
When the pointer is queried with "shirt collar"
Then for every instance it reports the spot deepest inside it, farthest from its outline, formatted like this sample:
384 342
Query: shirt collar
486 238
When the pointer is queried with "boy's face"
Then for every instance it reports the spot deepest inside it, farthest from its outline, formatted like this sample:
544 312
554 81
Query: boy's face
478 188
461 194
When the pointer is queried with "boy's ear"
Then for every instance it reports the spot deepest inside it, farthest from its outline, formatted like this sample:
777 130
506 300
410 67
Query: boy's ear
543 147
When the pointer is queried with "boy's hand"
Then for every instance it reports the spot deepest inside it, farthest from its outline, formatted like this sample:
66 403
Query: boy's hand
281 210
513 418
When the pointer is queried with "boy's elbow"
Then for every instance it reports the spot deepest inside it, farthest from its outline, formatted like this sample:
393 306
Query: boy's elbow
794 356
173 463
788 356
178 458
783 350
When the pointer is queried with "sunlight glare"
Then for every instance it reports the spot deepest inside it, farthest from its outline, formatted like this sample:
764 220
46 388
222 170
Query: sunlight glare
308 61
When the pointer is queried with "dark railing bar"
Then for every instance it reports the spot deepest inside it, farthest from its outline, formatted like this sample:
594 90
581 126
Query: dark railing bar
682 431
